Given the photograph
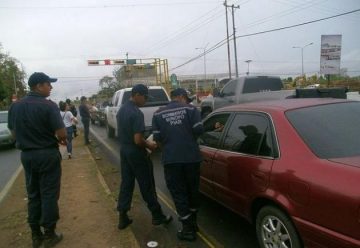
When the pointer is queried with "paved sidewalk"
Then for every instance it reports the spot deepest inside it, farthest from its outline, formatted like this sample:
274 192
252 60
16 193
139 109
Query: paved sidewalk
88 214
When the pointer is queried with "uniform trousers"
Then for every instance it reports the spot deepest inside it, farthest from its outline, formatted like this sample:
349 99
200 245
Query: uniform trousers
135 164
86 124
43 177
182 181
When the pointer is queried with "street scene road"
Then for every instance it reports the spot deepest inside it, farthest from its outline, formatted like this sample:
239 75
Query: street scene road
10 162
254 102
219 226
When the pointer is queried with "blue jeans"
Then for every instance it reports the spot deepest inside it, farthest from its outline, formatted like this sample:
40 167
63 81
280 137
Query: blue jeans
43 177
69 133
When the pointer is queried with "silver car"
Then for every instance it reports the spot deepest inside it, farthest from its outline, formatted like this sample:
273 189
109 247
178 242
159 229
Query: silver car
5 134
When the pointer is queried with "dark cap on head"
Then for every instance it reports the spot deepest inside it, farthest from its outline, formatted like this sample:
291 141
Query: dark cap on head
40 77
180 92
83 98
140 89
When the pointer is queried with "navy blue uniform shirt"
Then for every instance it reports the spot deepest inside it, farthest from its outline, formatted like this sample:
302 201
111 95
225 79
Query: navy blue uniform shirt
84 111
130 120
177 126
35 120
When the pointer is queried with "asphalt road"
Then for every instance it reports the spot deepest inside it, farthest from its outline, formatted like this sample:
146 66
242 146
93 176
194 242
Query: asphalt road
219 226
10 162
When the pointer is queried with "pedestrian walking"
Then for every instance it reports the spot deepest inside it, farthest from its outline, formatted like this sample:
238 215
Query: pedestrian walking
73 110
135 162
38 128
85 118
176 128
68 120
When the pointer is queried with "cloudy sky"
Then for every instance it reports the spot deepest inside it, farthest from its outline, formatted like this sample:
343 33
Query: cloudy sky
58 37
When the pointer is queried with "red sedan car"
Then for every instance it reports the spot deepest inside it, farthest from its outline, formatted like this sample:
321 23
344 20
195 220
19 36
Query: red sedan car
291 167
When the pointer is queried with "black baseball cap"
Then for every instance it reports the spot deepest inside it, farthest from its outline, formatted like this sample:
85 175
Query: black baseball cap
181 92
40 77
140 89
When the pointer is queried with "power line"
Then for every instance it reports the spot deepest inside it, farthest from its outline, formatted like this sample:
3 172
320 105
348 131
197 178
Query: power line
111 6
162 43
297 25
221 43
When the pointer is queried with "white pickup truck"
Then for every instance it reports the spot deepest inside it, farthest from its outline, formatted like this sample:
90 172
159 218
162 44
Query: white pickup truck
157 97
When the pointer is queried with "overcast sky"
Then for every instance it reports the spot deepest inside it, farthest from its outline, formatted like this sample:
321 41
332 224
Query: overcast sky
58 37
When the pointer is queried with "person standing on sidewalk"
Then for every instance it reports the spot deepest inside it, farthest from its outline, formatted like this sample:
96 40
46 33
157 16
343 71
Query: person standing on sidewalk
68 120
85 118
135 162
176 128
73 110
38 128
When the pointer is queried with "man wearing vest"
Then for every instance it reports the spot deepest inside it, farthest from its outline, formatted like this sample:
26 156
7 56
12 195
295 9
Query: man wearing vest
176 128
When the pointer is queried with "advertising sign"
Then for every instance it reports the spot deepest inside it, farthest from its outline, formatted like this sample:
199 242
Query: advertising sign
330 54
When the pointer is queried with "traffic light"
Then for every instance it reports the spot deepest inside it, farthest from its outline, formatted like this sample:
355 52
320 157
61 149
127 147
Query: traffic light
93 62
118 62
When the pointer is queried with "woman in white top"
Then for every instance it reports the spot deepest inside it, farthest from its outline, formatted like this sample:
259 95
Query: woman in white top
68 119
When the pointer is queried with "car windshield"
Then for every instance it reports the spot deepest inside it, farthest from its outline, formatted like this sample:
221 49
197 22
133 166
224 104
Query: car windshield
331 131
3 117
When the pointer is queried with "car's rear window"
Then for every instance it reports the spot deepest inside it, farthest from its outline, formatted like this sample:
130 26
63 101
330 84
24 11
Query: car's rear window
331 131
156 97
258 84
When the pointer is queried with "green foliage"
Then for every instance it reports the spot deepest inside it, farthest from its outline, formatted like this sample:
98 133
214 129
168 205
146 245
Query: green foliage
10 75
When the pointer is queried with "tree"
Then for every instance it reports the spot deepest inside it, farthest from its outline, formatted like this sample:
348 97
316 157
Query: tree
11 79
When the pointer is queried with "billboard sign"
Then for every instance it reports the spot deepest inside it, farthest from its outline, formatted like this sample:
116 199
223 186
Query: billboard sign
330 55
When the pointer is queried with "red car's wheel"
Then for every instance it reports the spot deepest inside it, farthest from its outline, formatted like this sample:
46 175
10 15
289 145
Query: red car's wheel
274 229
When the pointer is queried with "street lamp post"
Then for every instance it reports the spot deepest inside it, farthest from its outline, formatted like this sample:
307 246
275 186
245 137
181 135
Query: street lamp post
248 62
302 56
204 52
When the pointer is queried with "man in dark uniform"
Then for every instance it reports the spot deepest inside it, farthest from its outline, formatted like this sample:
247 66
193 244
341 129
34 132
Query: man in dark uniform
74 112
135 162
85 118
176 127
38 128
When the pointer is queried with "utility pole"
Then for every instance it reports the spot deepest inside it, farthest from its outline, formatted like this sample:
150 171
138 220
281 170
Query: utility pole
233 7
234 34
227 37
15 88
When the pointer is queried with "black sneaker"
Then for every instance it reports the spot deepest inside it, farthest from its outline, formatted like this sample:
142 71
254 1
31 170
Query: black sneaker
161 219
52 239
37 240
124 221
